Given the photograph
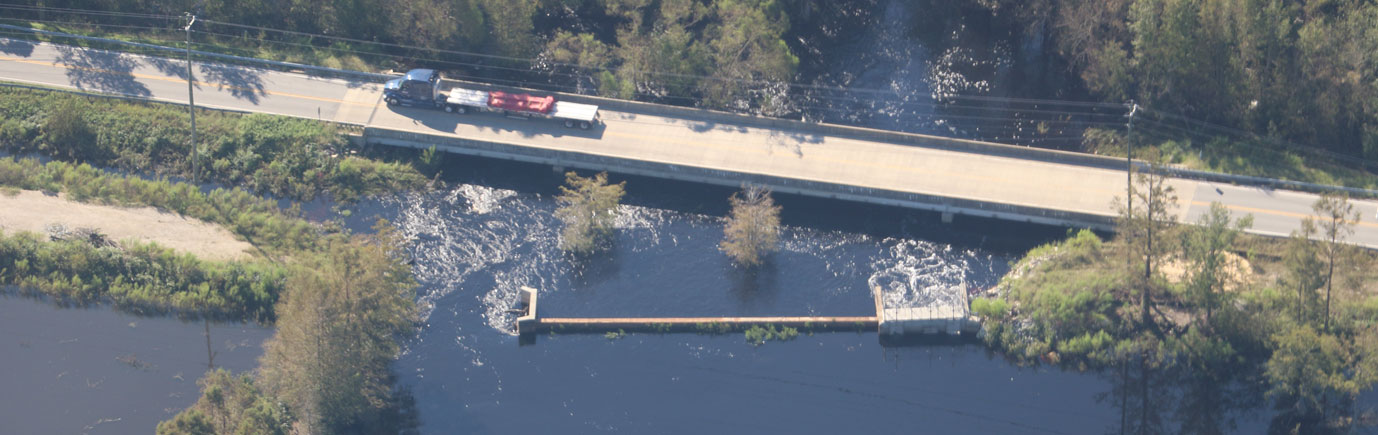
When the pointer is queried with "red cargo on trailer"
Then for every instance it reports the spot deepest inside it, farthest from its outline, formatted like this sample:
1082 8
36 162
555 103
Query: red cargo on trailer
520 102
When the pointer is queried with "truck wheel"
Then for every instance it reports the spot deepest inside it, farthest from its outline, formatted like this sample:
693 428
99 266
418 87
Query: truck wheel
584 125
391 101
461 110
569 124
449 109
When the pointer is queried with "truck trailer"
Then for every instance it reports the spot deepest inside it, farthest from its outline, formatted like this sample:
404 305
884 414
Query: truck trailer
421 88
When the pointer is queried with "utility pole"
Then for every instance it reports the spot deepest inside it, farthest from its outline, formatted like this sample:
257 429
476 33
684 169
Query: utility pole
1129 159
191 100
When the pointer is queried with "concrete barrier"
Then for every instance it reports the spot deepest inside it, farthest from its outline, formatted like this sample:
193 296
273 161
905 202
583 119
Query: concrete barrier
594 162
921 140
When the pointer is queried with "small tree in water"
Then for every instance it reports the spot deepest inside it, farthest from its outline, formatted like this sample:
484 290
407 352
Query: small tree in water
753 228
589 206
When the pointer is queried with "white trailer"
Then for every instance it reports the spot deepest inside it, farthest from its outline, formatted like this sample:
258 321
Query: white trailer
460 100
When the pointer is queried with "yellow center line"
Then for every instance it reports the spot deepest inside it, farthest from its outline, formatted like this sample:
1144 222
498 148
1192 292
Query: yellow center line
169 79
1275 212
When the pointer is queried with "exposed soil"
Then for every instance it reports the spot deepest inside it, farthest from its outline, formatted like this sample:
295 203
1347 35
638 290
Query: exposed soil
34 211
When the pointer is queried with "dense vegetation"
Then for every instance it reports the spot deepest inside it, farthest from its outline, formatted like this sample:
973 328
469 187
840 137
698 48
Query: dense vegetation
723 53
140 278
1204 297
326 370
294 158
1302 71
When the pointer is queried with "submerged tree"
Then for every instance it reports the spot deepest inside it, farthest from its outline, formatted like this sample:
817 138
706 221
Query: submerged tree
753 227
1204 247
589 207
1336 220
1142 225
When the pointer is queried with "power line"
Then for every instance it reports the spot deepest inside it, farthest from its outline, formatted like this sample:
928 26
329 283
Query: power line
1090 117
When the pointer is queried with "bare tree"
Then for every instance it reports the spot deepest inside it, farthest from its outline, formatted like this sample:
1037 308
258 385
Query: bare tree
1143 226
753 228
1336 218
588 211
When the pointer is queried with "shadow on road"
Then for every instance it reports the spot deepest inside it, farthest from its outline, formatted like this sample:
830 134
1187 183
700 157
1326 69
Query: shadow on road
169 66
16 47
242 82
101 71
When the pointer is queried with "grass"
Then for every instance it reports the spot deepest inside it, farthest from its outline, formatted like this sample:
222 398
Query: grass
287 157
1242 158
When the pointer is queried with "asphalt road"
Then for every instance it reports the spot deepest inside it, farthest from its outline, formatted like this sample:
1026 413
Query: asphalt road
725 146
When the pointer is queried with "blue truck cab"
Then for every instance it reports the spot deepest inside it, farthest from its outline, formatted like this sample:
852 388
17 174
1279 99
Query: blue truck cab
420 87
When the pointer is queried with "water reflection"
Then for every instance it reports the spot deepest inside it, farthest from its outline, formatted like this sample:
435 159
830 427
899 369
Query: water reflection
95 370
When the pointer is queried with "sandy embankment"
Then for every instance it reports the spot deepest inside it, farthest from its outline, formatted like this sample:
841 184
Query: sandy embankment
33 211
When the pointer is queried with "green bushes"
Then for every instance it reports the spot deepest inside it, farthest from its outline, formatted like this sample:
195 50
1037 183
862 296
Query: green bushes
258 220
143 279
758 335
288 157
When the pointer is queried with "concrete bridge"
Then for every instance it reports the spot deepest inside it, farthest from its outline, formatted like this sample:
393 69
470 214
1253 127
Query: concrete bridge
950 176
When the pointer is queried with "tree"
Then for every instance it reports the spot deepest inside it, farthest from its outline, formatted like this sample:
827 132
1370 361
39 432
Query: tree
753 227
1336 218
189 422
1204 247
337 330
1144 225
1305 271
1306 368
233 405
588 211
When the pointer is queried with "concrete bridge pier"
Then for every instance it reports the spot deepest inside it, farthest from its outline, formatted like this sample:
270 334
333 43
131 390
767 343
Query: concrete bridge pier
947 217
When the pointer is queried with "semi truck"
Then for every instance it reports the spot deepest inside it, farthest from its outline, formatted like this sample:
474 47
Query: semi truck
421 88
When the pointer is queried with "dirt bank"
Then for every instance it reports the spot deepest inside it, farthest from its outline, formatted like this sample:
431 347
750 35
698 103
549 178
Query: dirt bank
33 211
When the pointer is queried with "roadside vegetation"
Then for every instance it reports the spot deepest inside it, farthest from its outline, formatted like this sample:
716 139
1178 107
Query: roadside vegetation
1298 312
1297 74
267 154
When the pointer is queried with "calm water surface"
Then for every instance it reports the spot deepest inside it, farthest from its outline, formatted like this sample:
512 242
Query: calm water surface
97 371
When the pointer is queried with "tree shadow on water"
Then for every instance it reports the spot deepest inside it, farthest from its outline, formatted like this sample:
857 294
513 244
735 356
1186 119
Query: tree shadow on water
587 271
101 71
756 285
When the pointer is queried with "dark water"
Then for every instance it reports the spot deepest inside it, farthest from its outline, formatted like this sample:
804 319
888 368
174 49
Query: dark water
97 371
476 242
